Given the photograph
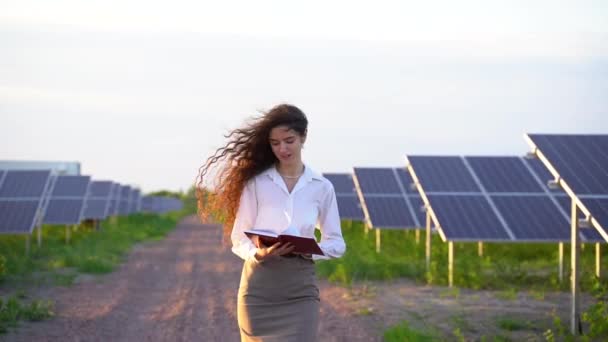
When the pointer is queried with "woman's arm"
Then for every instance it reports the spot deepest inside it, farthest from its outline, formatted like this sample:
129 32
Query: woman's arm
332 243
244 220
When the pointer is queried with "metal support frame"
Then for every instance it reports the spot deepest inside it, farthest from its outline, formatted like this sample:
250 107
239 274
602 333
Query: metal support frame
480 248
575 322
451 263
428 241
39 235
377 240
417 236
598 259
561 261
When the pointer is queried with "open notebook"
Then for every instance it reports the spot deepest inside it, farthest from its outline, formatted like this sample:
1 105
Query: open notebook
302 245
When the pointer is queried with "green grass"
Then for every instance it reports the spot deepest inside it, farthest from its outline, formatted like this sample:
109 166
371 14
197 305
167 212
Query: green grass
512 324
89 250
403 332
507 294
13 310
504 266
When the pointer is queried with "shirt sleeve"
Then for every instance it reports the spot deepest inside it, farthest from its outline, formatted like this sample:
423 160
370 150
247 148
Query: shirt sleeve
332 243
244 220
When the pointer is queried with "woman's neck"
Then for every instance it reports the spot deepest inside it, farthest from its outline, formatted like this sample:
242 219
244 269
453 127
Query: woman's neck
294 169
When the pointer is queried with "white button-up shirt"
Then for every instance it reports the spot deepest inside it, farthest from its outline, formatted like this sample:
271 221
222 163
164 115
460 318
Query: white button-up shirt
267 204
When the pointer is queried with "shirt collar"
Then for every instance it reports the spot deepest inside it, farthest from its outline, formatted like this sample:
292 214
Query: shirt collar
309 174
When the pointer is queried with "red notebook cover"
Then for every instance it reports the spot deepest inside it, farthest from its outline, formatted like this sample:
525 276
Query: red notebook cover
302 245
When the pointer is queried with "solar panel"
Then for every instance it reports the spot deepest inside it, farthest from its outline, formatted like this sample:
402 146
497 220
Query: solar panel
148 204
70 186
377 180
114 200
389 212
580 162
349 207
444 174
160 204
18 217
100 189
125 199
543 175
533 218
98 201
599 208
589 234
504 174
21 199
26 183
511 202
67 200
346 195
385 197
467 217
342 182
134 202
418 208
64 211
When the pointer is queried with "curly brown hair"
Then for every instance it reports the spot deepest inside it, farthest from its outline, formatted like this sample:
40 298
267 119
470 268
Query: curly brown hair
246 154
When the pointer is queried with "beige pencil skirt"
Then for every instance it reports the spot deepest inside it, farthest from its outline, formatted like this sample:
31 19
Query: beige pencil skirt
278 300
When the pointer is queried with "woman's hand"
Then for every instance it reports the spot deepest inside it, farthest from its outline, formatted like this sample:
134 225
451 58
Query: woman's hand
278 248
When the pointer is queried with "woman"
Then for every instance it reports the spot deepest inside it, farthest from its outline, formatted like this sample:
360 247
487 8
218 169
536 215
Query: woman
263 183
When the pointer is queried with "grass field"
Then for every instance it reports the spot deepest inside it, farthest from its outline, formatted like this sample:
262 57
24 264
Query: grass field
503 266
89 251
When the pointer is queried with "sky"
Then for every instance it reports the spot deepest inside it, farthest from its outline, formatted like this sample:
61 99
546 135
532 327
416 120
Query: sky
142 92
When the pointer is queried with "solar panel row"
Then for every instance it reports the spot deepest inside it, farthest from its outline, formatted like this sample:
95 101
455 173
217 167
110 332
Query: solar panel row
346 195
491 199
387 202
32 197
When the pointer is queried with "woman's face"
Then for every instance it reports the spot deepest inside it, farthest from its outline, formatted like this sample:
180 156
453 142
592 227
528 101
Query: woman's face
286 144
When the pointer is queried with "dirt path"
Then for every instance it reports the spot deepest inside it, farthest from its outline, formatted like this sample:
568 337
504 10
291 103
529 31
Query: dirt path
180 289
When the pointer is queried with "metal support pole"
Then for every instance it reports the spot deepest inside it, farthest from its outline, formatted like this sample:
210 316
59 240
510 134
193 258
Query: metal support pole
480 248
574 241
417 236
561 262
451 263
377 240
598 257
428 241
40 236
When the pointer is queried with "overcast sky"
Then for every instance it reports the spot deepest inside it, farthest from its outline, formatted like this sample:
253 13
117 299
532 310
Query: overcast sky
141 92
